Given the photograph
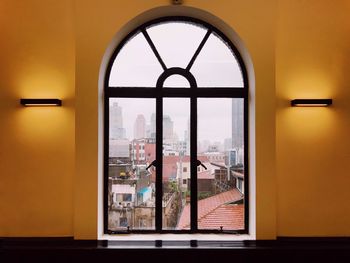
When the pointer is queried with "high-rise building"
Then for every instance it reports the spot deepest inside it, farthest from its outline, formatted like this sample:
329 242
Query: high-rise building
237 123
148 130
140 127
116 130
227 144
203 146
187 138
153 126
168 128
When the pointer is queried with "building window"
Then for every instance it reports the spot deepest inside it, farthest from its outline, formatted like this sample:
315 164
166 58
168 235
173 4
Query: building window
180 85
127 197
123 222
240 185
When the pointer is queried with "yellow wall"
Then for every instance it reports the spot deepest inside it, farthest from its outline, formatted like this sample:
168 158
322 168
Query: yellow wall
96 24
36 144
54 48
312 144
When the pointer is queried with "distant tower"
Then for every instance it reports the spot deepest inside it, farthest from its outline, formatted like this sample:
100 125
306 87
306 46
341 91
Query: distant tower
140 127
168 127
153 126
116 130
148 130
237 123
187 138
227 144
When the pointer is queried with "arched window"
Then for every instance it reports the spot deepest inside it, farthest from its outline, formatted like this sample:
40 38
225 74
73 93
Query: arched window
176 131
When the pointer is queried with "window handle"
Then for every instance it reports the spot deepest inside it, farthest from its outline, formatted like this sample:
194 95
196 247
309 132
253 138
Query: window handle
199 163
154 163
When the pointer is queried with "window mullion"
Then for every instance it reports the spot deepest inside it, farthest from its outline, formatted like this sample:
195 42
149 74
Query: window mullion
106 161
143 92
199 49
193 159
154 49
246 161
159 161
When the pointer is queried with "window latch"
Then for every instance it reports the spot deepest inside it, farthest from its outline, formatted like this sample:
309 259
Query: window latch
154 163
199 163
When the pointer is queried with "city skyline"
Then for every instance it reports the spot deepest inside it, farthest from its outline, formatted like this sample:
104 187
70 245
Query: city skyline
214 116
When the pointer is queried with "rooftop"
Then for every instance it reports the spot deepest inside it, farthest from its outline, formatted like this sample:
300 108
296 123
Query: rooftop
216 211
170 167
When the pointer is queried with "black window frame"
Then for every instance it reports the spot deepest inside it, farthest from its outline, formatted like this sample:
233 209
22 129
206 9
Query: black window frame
193 93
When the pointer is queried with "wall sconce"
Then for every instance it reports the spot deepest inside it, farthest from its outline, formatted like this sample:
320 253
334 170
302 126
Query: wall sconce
311 102
41 102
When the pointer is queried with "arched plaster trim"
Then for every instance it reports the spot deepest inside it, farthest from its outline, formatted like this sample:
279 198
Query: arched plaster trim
239 44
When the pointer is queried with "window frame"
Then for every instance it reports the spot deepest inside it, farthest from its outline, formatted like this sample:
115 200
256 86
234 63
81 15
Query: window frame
159 92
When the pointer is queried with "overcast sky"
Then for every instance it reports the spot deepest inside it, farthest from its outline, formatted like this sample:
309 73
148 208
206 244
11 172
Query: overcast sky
214 115
176 42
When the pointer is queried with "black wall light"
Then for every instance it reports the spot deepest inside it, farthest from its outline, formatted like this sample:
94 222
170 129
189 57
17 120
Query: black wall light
41 102
311 102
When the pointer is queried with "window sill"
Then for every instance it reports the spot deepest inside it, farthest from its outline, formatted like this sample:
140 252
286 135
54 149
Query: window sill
177 237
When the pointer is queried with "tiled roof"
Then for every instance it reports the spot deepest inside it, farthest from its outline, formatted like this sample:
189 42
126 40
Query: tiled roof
205 175
215 211
230 217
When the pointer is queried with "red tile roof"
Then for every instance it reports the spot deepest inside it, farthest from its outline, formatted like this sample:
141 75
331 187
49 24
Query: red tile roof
216 211
230 217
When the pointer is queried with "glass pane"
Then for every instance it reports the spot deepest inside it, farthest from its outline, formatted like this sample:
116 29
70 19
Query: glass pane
135 65
220 149
131 188
176 163
176 42
176 81
216 65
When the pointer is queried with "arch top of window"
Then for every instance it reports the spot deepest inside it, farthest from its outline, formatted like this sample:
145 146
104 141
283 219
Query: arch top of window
164 48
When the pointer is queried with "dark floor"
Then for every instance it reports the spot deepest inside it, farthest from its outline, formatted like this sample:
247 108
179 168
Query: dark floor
69 250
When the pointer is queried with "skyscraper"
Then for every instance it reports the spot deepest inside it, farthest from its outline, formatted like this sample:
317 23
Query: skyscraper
237 123
116 130
168 127
227 144
187 138
140 127
153 126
